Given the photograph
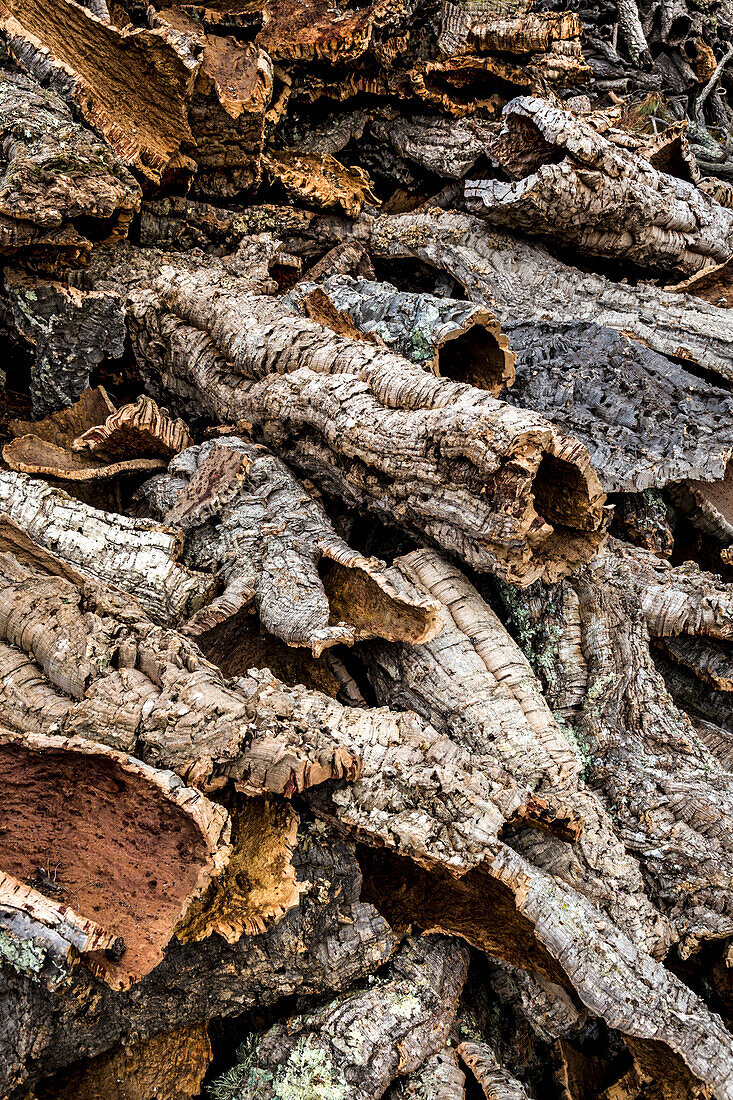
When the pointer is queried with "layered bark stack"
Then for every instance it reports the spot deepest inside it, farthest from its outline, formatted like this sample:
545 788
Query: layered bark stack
366 530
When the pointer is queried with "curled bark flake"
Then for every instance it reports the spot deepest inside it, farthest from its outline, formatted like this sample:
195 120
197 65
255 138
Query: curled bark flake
76 814
321 180
601 198
136 429
496 1082
247 517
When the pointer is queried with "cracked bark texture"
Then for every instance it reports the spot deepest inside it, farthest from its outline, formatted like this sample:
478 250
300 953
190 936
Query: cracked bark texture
327 943
520 282
495 1081
69 331
669 794
439 1078
228 105
474 471
124 844
58 182
247 519
601 199
355 1046
451 338
473 683
134 555
645 420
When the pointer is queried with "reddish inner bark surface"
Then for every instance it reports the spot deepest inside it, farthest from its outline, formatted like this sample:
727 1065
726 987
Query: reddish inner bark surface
103 841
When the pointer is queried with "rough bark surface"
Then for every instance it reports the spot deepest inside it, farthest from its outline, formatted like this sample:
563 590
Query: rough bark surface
645 420
355 1046
451 338
70 332
475 469
326 944
247 519
135 555
600 198
521 281
58 181
142 113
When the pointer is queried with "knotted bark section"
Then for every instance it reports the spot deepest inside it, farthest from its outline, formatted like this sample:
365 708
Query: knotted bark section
80 821
503 489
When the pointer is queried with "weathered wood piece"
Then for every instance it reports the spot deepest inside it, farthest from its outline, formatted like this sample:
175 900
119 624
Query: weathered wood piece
69 331
440 1078
178 222
496 1082
101 832
43 938
330 941
247 519
171 1065
320 180
62 189
135 555
143 112
356 1045
600 198
455 339
520 281
678 825
645 420
474 685
447 147
502 489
